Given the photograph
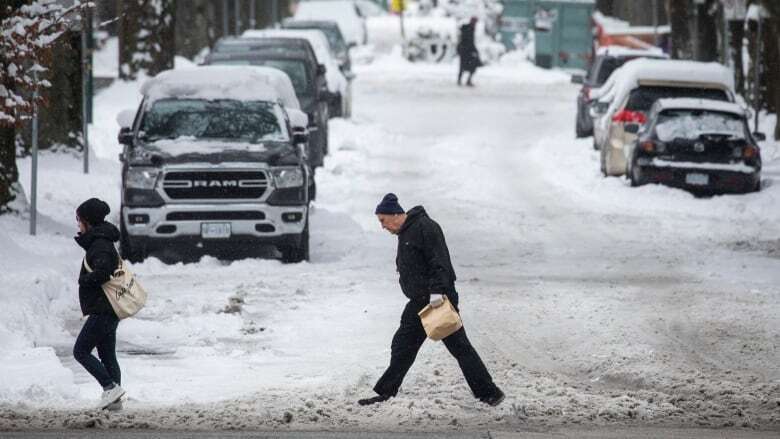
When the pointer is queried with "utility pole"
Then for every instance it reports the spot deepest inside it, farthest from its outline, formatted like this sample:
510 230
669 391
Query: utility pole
655 23
85 72
757 71
225 19
34 176
237 7
253 14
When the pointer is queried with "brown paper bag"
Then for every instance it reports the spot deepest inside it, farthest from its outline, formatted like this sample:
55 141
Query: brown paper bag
440 321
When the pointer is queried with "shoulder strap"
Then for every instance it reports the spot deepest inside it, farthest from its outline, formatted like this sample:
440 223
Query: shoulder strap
86 265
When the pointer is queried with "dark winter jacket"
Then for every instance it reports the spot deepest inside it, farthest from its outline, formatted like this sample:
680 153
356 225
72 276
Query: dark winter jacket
103 259
467 49
423 260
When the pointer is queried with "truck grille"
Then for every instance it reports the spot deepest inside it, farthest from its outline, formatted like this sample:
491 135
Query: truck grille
204 185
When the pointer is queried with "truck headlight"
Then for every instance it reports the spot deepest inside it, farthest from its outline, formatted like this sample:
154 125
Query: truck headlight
141 178
288 177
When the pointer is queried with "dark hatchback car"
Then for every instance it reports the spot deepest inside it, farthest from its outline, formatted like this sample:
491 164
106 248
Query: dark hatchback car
332 33
296 58
607 60
701 145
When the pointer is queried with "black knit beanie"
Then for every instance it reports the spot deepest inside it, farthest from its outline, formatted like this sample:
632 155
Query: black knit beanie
389 206
93 211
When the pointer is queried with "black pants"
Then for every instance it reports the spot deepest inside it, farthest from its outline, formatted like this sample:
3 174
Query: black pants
99 332
407 342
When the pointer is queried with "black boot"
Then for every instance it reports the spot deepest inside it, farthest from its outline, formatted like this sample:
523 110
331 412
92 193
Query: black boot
374 400
495 399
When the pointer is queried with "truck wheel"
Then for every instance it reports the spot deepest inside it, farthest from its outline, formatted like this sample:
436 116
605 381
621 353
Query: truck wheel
127 250
297 253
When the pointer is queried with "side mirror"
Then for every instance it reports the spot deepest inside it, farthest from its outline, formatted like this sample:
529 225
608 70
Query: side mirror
125 118
125 136
631 128
577 79
321 69
759 136
349 75
351 45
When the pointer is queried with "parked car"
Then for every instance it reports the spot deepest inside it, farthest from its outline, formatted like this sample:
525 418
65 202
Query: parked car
369 8
607 60
634 88
698 144
336 81
335 39
344 12
296 58
211 164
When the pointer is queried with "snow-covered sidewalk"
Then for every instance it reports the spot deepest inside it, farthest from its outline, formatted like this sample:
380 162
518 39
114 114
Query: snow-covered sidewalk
591 302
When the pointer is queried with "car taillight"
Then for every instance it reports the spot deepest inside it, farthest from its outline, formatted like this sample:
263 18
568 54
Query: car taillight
749 152
628 116
648 146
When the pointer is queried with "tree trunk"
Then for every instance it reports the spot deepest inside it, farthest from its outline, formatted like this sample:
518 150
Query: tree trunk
146 37
772 45
678 12
708 31
60 119
606 7
9 174
737 35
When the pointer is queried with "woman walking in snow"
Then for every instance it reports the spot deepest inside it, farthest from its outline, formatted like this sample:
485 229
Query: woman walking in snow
467 51
97 237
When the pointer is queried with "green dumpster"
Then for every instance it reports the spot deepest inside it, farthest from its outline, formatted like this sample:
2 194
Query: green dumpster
562 30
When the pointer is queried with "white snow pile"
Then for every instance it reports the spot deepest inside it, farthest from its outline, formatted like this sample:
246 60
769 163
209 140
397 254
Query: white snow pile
242 83
622 51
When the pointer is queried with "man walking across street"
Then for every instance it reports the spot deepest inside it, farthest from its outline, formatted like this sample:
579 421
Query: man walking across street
426 276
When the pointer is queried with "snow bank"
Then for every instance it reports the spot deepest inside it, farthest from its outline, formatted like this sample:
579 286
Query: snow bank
511 67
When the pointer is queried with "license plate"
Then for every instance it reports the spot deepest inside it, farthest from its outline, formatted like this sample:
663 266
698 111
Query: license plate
215 230
697 179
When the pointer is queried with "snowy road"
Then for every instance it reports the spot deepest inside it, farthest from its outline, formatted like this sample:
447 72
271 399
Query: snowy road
591 302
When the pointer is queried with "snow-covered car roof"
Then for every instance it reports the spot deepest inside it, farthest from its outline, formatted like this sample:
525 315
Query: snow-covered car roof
662 72
242 83
322 50
622 51
698 104
343 12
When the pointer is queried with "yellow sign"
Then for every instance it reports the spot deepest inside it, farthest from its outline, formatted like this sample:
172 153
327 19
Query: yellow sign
397 6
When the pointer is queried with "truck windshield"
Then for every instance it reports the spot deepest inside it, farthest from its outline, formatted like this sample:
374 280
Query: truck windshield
250 121
690 124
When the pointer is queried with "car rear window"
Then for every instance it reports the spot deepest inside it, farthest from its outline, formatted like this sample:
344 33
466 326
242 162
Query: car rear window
691 124
605 68
642 98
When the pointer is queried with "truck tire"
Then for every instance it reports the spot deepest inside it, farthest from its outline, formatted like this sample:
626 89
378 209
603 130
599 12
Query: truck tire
297 253
127 250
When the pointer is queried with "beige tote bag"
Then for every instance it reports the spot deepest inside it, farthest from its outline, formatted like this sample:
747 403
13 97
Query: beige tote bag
123 291
440 321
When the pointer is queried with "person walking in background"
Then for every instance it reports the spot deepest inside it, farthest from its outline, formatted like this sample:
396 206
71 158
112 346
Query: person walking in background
467 51
426 276
97 238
